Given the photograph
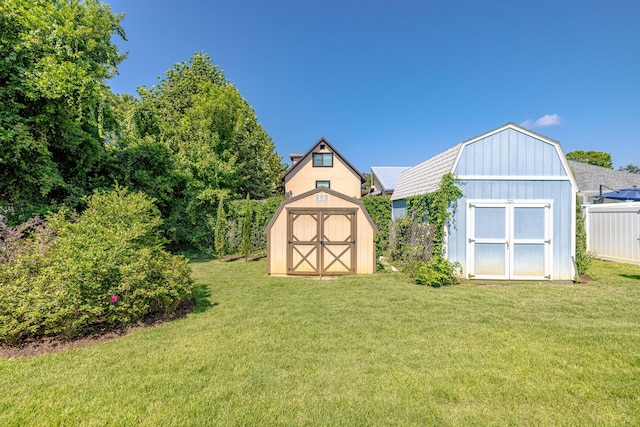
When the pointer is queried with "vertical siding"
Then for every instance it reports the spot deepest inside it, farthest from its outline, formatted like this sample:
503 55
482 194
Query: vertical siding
340 175
512 153
563 215
278 243
613 231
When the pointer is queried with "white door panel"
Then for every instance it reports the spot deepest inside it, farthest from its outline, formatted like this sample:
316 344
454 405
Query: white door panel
509 240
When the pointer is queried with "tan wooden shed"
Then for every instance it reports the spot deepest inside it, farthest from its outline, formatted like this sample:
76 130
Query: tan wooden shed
321 233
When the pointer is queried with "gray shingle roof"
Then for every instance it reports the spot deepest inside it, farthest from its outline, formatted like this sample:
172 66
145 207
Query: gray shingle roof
589 177
387 176
425 177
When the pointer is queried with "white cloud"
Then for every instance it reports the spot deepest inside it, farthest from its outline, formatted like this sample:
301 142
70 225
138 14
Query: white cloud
546 120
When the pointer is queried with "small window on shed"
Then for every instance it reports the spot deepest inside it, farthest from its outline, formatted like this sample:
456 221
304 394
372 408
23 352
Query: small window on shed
323 184
321 160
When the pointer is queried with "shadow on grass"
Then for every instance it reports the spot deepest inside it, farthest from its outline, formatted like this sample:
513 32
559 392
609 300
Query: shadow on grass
631 276
234 258
196 258
202 295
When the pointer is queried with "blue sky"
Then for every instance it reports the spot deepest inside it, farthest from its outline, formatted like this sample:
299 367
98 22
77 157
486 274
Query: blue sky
391 83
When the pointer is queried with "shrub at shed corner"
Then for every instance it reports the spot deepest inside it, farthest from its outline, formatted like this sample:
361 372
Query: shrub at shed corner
104 268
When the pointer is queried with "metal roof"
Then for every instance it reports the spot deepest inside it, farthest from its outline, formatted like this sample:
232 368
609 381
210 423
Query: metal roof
387 176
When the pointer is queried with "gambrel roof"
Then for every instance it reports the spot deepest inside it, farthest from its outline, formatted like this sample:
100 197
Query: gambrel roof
425 177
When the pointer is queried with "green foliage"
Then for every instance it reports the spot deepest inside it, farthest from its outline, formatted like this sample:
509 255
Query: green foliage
366 186
417 240
220 230
212 130
55 57
439 271
186 142
631 168
105 267
597 158
246 229
411 242
199 140
262 211
379 208
437 208
584 259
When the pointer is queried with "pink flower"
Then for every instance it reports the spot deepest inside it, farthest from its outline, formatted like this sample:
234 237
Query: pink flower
114 299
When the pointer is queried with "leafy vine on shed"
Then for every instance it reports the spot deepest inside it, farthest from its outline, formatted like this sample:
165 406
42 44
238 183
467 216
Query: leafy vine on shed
418 239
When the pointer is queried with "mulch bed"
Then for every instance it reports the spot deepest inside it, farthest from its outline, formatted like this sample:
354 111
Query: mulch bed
45 345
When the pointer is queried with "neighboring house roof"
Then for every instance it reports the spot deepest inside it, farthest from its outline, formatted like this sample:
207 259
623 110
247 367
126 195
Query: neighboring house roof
425 177
590 177
322 140
387 176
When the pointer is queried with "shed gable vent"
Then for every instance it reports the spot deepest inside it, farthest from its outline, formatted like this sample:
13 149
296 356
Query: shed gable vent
322 197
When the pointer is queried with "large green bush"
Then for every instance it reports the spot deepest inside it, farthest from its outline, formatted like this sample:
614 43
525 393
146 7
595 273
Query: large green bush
439 271
104 268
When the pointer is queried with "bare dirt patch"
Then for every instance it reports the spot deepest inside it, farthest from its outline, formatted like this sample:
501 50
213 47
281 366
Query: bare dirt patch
45 345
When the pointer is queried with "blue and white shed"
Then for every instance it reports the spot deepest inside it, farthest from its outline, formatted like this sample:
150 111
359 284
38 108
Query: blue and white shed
516 219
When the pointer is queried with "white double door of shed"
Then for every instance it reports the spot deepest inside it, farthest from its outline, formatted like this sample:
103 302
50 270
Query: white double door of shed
509 240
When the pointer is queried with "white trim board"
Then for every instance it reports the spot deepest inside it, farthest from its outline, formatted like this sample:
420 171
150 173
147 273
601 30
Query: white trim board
512 178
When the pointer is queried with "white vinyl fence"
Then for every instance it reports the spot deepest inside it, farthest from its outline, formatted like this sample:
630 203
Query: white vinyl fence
613 231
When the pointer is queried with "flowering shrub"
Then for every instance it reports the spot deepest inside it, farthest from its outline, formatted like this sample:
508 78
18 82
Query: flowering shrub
103 268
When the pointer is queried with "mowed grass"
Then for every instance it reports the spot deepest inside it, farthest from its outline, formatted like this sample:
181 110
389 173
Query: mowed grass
353 351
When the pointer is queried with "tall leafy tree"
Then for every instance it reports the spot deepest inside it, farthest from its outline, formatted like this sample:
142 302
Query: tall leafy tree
54 58
597 158
216 146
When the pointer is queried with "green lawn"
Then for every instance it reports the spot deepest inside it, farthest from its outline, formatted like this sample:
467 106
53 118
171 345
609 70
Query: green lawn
353 351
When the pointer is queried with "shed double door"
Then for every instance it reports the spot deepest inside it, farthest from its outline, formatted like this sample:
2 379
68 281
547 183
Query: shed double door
321 241
509 240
